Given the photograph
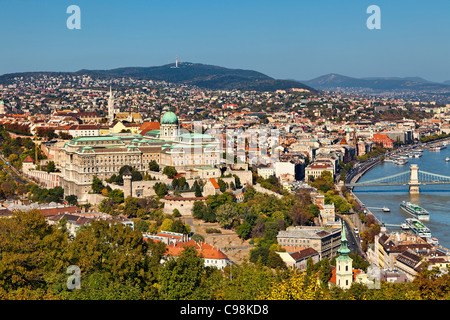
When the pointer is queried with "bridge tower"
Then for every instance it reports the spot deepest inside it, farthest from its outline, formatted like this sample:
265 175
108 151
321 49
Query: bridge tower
414 180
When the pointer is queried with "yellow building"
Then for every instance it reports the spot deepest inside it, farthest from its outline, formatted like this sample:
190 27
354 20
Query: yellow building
124 127
129 116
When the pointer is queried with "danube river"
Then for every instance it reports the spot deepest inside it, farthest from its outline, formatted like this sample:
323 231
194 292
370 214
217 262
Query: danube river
434 198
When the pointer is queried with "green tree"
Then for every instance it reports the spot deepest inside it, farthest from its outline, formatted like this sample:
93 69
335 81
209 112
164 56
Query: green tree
72 199
180 227
170 171
160 189
183 278
222 185
226 215
153 166
51 166
97 185
176 213
131 207
198 209
197 189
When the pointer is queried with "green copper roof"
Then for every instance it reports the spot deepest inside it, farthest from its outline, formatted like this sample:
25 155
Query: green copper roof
344 250
169 118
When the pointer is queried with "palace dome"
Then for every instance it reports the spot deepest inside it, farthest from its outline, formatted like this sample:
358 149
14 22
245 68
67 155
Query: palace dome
169 118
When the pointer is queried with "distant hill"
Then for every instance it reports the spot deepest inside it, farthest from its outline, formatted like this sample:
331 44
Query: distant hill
416 79
447 82
201 75
334 81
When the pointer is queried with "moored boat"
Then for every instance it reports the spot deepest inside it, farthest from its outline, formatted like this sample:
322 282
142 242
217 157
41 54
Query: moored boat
418 228
415 210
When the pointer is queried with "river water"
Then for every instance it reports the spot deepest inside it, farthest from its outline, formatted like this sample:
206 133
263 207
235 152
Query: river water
434 198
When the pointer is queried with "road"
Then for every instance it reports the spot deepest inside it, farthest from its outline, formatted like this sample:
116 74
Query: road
354 243
18 177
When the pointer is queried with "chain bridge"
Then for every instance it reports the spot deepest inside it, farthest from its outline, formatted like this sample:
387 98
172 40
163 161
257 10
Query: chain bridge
414 178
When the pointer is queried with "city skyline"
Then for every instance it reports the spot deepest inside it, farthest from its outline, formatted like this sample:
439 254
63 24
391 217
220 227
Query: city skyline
296 40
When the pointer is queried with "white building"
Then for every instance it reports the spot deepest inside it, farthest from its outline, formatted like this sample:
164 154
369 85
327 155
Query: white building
266 172
284 168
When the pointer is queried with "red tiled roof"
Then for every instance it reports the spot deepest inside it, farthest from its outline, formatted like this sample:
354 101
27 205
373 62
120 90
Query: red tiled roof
203 249
28 159
56 211
214 183
149 126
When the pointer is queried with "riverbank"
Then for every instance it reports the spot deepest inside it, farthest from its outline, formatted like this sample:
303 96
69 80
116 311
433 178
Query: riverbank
434 198
361 169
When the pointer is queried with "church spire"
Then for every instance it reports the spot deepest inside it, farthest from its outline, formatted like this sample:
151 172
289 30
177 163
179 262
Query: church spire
111 106
344 250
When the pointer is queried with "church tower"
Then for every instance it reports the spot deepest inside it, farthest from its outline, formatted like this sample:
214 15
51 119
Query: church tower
110 106
344 267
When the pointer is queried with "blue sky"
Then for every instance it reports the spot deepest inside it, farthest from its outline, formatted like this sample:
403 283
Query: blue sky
299 39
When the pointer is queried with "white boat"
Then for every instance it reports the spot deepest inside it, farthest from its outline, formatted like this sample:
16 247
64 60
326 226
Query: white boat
438 148
447 159
386 209
418 228
401 162
415 210
404 226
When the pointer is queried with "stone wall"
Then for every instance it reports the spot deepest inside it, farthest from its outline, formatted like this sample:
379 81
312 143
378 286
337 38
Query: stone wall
184 205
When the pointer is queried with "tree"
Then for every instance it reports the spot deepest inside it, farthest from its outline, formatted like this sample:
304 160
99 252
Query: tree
170 171
324 182
97 185
116 195
309 266
31 250
248 281
198 209
237 182
141 225
197 189
226 215
72 199
244 230
183 278
7 188
274 260
116 251
51 166
325 272
179 227
131 207
167 225
153 166
296 287
160 189
176 213
259 253
222 185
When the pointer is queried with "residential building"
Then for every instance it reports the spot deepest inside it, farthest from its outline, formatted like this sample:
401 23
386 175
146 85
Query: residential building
298 259
325 240
212 256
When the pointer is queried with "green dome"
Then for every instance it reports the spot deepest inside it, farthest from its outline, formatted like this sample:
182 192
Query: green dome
169 118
